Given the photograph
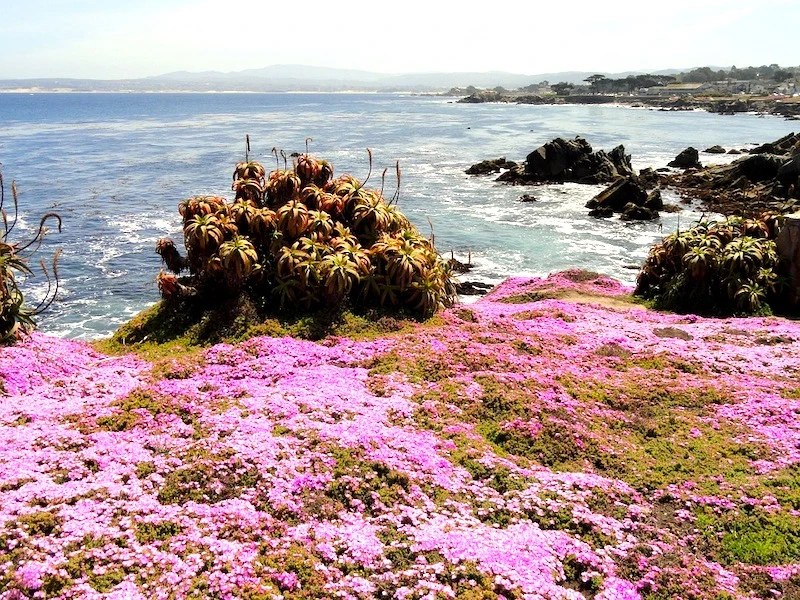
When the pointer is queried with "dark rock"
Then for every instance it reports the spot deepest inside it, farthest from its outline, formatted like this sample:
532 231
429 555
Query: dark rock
458 266
760 167
618 194
671 208
654 201
789 171
601 213
715 150
662 170
734 151
648 177
634 212
568 160
528 198
490 166
472 288
781 146
688 159
548 162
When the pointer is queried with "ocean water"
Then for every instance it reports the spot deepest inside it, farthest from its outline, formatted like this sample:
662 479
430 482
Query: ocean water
115 166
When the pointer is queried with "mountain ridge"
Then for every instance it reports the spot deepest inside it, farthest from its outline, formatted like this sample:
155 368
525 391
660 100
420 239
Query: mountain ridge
299 78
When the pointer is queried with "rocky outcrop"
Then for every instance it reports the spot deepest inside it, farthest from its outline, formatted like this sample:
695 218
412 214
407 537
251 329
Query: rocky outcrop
626 196
654 201
486 167
784 145
620 193
788 244
769 174
687 159
482 96
717 149
573 160
634 212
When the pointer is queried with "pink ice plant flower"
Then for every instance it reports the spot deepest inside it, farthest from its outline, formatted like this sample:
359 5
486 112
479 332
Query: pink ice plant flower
276 466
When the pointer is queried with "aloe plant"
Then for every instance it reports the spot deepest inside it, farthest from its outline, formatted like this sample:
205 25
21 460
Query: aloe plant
298 237
17 318
728 267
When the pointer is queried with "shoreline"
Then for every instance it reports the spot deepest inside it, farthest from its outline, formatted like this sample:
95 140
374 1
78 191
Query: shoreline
788 107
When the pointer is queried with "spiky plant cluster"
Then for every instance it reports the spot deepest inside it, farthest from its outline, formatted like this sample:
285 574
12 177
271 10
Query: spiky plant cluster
301 238
16 317
726 267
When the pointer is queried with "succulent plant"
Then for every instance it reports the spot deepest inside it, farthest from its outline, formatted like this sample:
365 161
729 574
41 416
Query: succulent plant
300 238
728 267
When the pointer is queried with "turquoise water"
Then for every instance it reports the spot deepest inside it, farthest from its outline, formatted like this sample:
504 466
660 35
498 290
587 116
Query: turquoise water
116 165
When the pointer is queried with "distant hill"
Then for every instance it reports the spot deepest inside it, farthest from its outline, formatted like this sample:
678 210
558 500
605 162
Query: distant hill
299 78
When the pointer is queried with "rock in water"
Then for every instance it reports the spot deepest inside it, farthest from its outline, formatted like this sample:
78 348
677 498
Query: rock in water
618 195
634 212
570 160
687 159
715 150
490 166
654 201
551 160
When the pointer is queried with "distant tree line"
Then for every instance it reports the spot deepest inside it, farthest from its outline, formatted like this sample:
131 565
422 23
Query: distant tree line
600 84
771 72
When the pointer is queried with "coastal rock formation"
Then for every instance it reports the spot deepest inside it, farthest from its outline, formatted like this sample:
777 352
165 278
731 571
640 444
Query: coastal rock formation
490 166
627 196
769 174
618 195
788 244
787 144
687 159
569 160
654 201
634 212
717 149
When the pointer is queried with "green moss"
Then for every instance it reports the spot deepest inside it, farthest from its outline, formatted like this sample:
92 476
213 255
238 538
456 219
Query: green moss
207 478
355 478
304 564
750 536
426 367
533 296
573 577
145 469
147 533
613 350
144 399
38 523
184 327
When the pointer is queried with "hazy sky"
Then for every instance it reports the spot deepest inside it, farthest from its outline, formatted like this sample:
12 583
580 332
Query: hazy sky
135 38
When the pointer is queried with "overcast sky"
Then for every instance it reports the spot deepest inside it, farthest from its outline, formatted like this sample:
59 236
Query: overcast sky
135 38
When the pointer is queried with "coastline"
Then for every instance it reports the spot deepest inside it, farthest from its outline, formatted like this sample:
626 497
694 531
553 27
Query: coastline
788 107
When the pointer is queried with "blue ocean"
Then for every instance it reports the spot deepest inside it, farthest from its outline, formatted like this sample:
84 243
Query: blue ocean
115 167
